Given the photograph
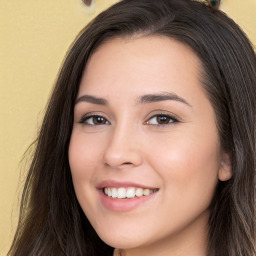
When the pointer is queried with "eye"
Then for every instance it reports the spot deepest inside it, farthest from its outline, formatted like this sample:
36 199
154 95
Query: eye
162 119
94 120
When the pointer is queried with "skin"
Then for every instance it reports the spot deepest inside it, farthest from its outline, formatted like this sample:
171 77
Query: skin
182 158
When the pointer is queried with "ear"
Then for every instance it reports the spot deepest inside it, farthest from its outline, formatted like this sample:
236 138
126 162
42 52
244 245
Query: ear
225 170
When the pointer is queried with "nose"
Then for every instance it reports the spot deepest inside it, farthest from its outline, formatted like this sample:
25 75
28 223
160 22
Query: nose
122 149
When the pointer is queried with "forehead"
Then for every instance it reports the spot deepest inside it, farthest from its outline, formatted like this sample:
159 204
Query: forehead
147 61
147 48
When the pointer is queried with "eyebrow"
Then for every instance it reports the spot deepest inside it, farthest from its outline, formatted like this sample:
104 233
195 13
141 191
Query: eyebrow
92 99
148 98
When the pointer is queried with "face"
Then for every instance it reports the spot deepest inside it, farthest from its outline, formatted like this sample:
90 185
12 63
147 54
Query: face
144 153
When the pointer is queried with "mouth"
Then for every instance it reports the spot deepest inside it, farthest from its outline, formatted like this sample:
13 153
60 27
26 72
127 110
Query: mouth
127 193
125 196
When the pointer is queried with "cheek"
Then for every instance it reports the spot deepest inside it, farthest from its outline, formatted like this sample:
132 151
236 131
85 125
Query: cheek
188 167
83 160
82 156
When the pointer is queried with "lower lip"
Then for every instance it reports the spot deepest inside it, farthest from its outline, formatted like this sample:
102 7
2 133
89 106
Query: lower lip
123 205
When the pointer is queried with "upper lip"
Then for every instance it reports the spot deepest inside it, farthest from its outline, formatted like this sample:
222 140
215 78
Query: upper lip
122 184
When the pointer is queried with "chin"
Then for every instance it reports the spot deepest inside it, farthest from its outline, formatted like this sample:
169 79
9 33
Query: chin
121 240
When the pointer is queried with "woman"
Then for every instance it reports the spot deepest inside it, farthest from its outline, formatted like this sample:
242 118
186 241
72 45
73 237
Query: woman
148 141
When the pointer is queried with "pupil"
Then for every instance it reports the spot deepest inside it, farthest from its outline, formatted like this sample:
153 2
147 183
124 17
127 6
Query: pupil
163 119
98 120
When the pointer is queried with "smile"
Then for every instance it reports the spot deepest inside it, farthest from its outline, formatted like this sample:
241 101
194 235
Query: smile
127 193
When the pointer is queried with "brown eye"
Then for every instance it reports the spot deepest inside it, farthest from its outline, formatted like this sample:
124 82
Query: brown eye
99 120
94 120
162 120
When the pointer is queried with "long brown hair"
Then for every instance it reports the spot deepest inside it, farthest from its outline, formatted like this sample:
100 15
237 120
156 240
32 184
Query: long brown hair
51 220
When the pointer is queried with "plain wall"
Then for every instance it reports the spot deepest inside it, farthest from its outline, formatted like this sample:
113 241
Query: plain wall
34 37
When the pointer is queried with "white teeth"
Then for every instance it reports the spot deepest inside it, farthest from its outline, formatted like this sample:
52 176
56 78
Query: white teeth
130 192
114 193
121 193
139 192
109 192
146 192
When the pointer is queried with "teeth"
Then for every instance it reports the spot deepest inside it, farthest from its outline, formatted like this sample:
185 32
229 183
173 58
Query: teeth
130 192
109 192
121 192
114 193
139 192
146 192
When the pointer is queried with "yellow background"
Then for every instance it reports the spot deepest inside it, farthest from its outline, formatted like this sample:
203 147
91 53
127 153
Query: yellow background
34 37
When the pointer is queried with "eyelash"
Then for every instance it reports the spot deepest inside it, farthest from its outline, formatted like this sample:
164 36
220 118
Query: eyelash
170 120
85 119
